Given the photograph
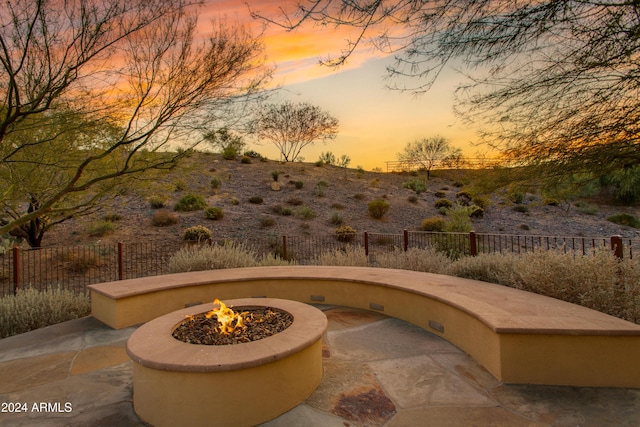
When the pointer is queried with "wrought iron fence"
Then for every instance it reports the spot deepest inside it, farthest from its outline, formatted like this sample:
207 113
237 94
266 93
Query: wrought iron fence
75 267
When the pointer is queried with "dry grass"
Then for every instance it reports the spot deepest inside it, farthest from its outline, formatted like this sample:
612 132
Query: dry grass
32 309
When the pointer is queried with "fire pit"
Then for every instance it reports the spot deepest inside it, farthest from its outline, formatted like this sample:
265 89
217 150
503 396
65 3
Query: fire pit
179 383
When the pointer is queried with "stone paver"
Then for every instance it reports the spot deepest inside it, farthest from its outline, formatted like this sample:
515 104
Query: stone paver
377 372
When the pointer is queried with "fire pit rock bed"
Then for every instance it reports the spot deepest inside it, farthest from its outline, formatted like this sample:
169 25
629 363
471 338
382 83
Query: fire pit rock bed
176 383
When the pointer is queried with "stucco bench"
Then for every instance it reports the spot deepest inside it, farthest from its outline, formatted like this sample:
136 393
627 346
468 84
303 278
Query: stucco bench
518 336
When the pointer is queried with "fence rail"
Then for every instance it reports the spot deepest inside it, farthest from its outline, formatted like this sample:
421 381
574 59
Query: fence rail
76 267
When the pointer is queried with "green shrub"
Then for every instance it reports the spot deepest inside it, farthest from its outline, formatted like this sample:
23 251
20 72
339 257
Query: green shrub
215 183
156 202
417 185
286 212
112 217
358 196
230 152
625 219
164 218
180 185
336 219
246 160
476 212
440 194
378 208
214 213
197 233
298 184
32 309
463 198
459 220
305 212
346 233
234 201
516 197
432 224
275 175
101 228
551 202
481 201
252 154
256 200
443 203
412 198
521 208
189 203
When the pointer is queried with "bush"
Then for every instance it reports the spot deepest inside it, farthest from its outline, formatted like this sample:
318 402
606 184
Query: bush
230 153
521 208
179 185
459 220
476 212
286 212
112 217
305 212
214 213
551 202
298 184
346 233
101 228
215 183
412 199
197 233
358 196
337 206
463 198
625 219
246 160
481 201
350 256
417 185
164 218
378 208
252 154
267 221
336 219
189 203
432 224
31 309
294 201
516 197
440 194
443 203
156 202
275 175
256 200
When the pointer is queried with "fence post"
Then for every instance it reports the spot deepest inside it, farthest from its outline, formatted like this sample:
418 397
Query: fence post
366 243
473 248
405 236
16 269
120 267
616 246
284 247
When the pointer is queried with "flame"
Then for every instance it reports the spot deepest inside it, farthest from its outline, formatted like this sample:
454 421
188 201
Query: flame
226 318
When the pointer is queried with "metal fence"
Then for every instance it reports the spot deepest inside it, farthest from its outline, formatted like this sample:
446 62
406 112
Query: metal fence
75 267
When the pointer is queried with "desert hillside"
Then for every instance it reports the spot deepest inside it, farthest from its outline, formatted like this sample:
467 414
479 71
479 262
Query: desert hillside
308 199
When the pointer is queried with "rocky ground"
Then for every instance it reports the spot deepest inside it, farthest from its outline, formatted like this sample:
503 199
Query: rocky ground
333 194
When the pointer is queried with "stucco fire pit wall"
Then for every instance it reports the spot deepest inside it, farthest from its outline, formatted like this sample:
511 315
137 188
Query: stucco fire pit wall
175 383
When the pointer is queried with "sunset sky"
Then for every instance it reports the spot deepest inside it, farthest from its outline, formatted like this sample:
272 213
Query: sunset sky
375 122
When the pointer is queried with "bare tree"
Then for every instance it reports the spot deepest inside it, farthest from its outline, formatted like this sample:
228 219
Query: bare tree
92 92
554 82
292 127
428 152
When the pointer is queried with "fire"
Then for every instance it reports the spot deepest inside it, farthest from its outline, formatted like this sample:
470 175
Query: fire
228 320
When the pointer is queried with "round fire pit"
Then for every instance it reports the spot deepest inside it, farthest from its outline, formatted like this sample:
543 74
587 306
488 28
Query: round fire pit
177 383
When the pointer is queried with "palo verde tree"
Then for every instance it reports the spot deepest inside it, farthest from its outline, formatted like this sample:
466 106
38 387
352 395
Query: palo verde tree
294 126
429 152
96 92
553 82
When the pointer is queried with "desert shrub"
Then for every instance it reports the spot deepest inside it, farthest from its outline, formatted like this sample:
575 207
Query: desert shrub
459 220
625 219
346 233
211 257
524 227
214 213
374 182
432 224
481 201
350 256
319 191
358 196
229 152
112 217
164 218
440 194
196 233
215 183
463 198
267 221
253 154
305 212
180 185
246 160
189 203
156 202
476 212
275 175
458 184
336 219
286 211
521 208
256 200
412 199
427 260
101 228
295 201
443 203
378 208
31 309
551 202
516 197
337 206
234 201
298 184
417 185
